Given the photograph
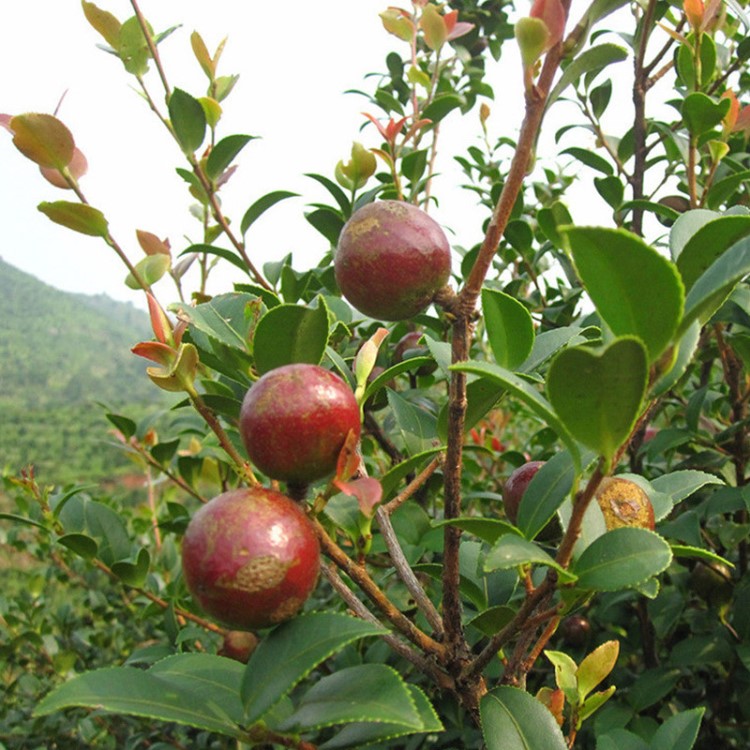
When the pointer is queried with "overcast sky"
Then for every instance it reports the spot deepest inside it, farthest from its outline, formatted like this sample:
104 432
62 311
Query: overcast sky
293 74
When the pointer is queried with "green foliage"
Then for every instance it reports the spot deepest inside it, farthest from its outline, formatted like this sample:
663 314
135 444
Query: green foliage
598 350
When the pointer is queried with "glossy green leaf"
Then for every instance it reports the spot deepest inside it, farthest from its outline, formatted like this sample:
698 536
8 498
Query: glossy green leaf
290 333
594 702
367 692
598 395
680 731
611 189
713 287
510 329
514 720
620 739
593 59
481 396
82 544
198 690
651 686
43 139
616 267
701 113
150 269
622 558
22 520
699 553
359 735
547 343
441 106
723 190
522 390
510 551
546 492
291 651
224 153
685 62
79 217
261 206
686 346
188 120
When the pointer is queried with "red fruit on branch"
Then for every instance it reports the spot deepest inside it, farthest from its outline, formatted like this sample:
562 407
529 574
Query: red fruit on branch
294 422
250 558
516 485
391 260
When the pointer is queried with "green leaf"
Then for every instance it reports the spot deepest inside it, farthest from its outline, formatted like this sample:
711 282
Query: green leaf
565 674
598 396
221 252
700 113
679 485
133 48
616 267
611 189
261 206
651 686
594 703
188 120
514 720
22 520
510 551
510 329
79 217
594 59
590 159
223 318
328 222
198 690
150 269
81 515
82 544
224 152
488 529
722 190
548 343
440 106
698 553
417 426
522 390
546 492
43 139
711 289
678 732
133 573
291 652
620 739
359 735
368 692
288 334
595 667
622 558
686 346
481 396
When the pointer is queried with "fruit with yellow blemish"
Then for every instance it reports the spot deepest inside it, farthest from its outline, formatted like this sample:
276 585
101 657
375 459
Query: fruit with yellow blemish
294 421
391 260
250 558
624 503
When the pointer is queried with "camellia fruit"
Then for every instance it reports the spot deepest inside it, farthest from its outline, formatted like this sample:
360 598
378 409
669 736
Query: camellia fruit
250 558
294 421
516 485
391 260
624 503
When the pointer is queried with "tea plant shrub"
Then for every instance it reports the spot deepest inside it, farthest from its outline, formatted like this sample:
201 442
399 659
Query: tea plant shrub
615 349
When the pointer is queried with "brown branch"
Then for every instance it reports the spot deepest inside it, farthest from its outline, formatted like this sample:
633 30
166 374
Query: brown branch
406 574
415 484
358 573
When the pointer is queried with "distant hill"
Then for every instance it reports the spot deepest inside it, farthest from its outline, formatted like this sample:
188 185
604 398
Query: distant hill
60 354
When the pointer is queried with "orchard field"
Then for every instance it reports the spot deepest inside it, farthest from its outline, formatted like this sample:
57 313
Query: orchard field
422 494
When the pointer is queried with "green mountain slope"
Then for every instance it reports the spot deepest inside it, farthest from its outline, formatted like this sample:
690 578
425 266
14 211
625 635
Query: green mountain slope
61 354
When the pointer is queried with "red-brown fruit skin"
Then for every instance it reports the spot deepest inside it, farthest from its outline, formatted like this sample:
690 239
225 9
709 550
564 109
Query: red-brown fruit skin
391 260
250 558
294 421
516 485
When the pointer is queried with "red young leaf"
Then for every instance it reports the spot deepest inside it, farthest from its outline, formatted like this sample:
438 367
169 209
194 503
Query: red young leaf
151 244
367 490
350 459
156 351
